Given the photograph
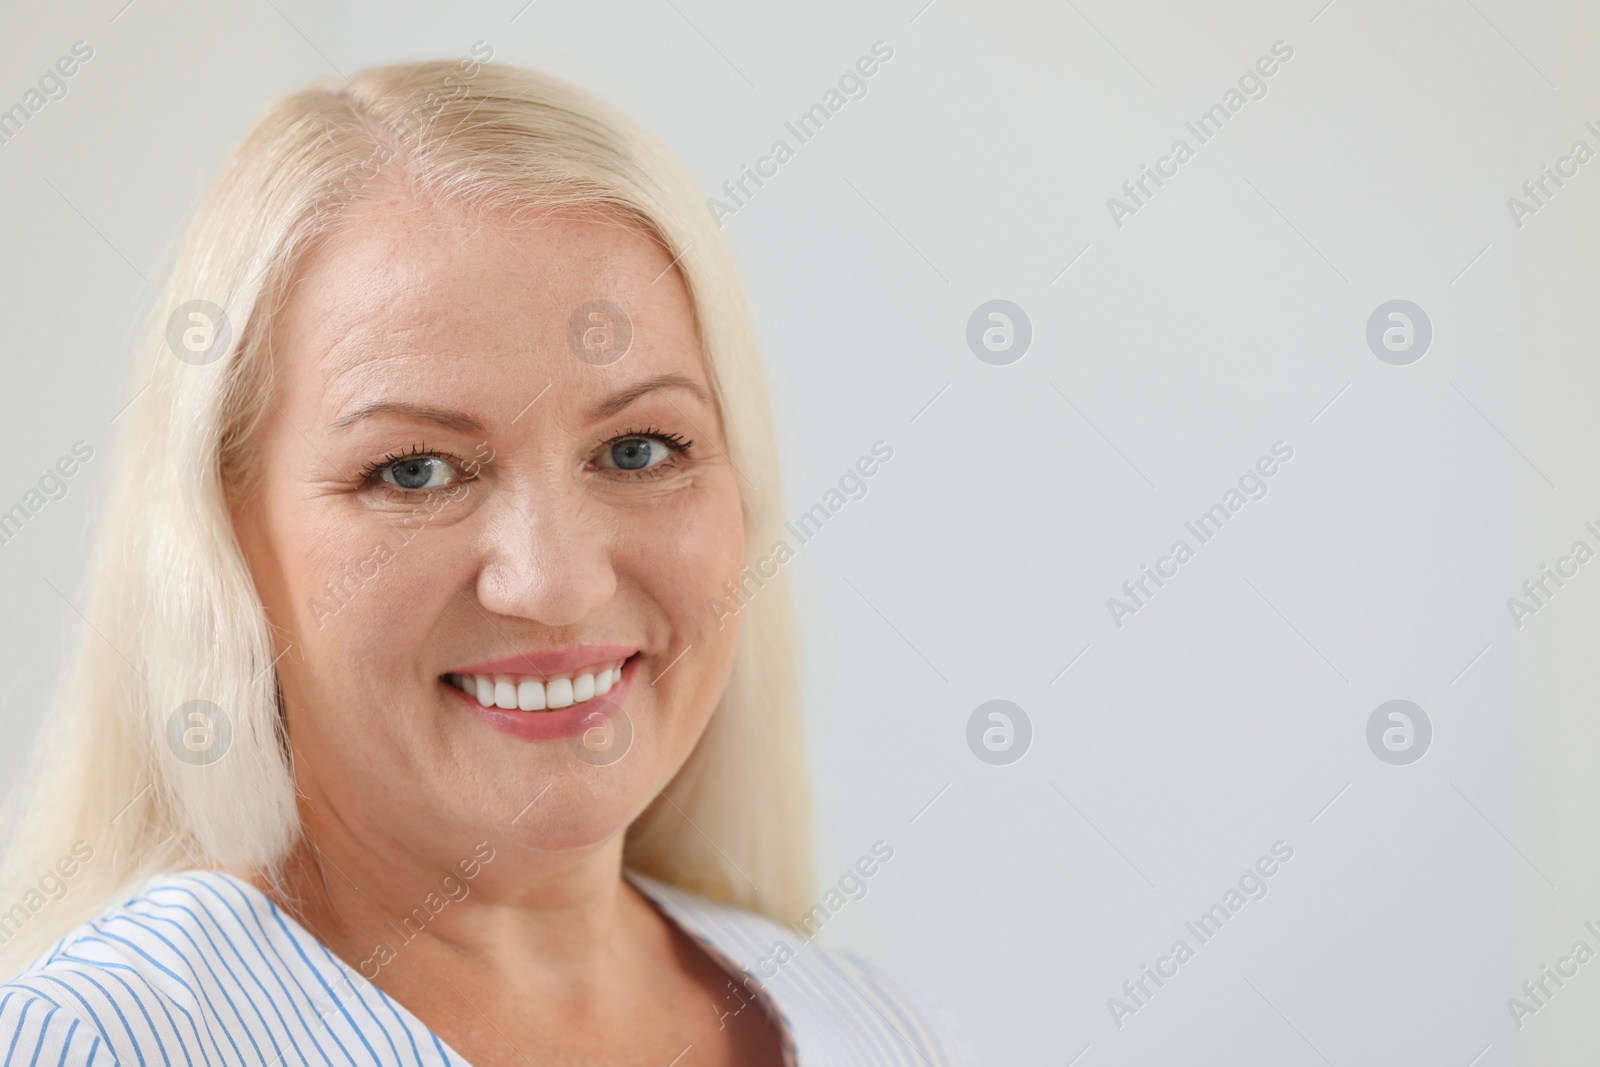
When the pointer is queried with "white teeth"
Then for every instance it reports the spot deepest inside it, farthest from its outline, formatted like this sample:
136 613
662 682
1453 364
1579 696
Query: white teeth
558 692
515 692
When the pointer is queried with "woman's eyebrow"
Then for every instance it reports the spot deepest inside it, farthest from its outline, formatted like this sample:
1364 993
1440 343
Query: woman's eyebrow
661 381
453 420
456 420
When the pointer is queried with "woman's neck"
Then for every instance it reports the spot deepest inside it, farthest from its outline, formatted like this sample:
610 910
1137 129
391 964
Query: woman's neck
499 949
387 906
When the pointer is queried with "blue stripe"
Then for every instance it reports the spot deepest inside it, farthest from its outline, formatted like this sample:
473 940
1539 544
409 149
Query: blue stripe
66 1043
228 1032
273 1004
111 967
301 952
388 1002
39 1046
276 972
335 964
169 973
95 1018
21 1019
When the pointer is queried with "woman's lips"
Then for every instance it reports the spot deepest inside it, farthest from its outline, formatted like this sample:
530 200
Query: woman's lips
571 720
558 661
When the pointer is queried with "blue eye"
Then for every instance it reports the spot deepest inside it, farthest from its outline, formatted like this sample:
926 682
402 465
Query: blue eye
419 472
634 454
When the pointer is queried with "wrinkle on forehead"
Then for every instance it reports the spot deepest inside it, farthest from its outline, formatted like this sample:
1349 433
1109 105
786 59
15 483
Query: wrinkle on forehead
366 376
395 292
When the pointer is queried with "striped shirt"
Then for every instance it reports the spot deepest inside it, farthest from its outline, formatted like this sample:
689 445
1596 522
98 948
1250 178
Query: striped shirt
203 968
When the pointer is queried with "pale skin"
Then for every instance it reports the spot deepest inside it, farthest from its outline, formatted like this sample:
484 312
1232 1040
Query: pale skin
537 543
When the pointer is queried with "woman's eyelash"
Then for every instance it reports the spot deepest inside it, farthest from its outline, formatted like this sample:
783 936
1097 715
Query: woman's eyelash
673 441
372 470
676 445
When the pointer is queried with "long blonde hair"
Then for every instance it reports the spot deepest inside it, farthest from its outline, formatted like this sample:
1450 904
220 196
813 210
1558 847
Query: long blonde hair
172 613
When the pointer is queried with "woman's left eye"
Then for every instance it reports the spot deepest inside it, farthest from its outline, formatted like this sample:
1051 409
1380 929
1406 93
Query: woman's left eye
419 472
634 454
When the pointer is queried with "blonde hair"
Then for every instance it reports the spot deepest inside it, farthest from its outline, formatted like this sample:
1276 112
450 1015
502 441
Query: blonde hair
172 612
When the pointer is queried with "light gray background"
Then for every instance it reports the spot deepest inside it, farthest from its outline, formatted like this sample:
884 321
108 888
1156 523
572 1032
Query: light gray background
1226 315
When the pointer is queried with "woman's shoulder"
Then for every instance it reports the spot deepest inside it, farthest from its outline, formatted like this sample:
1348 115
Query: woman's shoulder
836 1006
188 914
197 966
129 971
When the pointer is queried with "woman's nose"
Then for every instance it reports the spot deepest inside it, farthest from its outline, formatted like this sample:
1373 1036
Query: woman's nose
547 556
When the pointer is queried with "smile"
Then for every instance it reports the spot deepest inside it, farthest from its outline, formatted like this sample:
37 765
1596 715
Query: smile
523 692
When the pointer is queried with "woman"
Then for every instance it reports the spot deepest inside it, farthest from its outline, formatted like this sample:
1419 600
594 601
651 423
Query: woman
412 725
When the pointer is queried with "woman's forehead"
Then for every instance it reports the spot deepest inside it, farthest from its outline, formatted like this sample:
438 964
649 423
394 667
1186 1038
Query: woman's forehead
459 300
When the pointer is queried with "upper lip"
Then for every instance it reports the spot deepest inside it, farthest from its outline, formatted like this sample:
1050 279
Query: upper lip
552 661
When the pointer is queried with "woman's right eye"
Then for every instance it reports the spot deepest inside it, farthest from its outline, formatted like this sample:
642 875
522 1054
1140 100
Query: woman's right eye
635 454
419 473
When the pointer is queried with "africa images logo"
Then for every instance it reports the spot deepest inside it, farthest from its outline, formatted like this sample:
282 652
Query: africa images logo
1252 85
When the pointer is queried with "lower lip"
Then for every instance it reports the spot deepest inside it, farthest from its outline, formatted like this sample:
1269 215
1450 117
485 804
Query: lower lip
571 721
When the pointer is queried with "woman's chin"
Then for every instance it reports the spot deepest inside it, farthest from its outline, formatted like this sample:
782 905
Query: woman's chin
578 831
572 813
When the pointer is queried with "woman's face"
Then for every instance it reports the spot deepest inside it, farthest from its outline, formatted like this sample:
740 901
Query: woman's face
465 494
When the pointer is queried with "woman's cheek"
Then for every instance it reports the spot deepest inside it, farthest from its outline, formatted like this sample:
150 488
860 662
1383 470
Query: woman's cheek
702 550
375 577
